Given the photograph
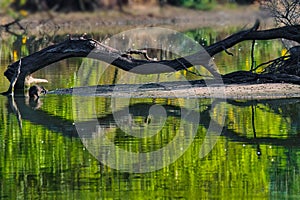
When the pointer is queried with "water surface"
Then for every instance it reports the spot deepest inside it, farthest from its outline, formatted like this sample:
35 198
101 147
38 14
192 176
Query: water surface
42 155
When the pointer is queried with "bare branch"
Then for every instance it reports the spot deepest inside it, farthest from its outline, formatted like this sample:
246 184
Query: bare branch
8 26
285 12
83 47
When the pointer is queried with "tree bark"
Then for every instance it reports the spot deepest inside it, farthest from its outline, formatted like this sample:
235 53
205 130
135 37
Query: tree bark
82 47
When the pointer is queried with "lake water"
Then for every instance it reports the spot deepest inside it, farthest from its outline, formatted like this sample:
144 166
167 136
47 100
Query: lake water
255 143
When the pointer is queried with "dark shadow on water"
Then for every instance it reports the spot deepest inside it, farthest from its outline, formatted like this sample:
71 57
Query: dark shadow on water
40 117
284 107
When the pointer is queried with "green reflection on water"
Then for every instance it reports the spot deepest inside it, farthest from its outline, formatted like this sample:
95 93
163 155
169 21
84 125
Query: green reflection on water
255 157
40 163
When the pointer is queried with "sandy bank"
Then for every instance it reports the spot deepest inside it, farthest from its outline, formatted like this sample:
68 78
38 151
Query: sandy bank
253 91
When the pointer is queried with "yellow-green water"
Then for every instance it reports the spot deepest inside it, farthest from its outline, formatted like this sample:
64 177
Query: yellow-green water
255 157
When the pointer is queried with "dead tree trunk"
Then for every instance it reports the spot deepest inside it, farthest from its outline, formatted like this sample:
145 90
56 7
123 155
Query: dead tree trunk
82 47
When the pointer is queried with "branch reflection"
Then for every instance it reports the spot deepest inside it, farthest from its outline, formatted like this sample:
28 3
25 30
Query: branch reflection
286 108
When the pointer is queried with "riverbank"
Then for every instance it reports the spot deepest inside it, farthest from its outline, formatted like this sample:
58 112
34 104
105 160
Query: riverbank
113 21
157 90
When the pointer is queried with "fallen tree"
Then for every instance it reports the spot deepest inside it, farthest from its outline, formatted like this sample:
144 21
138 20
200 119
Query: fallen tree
83 47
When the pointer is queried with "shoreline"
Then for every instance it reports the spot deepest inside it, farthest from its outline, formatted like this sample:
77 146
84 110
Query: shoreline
113 21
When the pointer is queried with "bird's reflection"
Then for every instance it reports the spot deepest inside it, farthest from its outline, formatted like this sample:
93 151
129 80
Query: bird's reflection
34 94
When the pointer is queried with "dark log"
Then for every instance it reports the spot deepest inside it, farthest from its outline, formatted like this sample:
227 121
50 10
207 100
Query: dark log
93 49
14 79
250 77
82 47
